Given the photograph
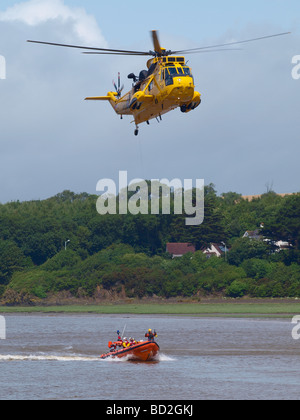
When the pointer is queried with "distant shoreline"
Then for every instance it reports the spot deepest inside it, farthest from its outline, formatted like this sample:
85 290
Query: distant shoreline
279 308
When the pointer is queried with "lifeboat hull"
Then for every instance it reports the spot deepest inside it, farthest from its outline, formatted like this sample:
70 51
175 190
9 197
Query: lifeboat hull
143 351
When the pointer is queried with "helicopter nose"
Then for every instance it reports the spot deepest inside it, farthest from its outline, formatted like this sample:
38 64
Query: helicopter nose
183 89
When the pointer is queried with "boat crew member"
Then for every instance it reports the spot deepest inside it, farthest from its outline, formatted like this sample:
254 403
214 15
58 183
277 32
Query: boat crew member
119 338
151 335
113 347
126 342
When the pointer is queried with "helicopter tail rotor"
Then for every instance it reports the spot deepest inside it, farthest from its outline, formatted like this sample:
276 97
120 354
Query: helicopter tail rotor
118 88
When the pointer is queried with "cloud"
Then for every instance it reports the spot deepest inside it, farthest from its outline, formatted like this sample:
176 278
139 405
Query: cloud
44 119
39 12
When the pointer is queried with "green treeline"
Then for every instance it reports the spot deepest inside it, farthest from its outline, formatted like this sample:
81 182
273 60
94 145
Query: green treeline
126 254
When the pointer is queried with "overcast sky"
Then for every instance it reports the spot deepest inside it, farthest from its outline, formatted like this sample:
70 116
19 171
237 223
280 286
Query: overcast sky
244 137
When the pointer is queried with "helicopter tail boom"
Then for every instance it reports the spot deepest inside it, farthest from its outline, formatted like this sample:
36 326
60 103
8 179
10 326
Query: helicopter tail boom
98 98
111 96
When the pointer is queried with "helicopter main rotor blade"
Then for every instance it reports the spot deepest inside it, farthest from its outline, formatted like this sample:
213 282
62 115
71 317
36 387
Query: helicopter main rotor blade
159 52
111 53
227 44
105 50
151 54
156 43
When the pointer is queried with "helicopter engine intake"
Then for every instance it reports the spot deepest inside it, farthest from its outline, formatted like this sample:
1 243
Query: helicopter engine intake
139 98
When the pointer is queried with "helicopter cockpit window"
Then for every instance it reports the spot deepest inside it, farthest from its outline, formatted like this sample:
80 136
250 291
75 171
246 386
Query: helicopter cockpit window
180 71
172 71
187 71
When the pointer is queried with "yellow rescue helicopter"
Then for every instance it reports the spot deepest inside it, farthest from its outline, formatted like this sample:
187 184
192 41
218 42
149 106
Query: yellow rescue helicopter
167 84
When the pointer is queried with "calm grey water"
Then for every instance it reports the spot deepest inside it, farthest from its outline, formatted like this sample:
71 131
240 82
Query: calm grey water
56 357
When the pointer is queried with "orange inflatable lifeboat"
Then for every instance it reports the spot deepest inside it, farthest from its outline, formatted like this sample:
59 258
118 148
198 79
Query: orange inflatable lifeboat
142 350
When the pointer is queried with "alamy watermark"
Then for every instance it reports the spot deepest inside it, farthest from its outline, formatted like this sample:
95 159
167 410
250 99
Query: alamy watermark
2 67
2 328
296 68
152 197
296 329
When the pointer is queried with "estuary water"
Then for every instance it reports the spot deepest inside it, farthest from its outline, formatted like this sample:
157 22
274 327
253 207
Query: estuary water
56 357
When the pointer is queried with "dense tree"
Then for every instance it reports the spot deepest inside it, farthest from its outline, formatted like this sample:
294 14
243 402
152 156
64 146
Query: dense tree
245 248
12 260
126 252
285 222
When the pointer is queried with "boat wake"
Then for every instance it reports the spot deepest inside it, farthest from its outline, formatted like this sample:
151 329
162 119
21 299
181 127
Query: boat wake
47 357
165 358
161 357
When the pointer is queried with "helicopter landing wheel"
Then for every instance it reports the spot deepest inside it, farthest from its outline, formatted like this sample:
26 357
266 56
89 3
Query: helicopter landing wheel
136 131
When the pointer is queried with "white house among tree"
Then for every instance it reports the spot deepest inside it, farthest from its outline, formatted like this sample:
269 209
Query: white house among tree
216 250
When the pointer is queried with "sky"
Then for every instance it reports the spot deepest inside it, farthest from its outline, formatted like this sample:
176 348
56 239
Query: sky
244 137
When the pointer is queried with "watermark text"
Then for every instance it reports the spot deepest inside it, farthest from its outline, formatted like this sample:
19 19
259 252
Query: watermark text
2 328
296 68
152 197
2 67
296 329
